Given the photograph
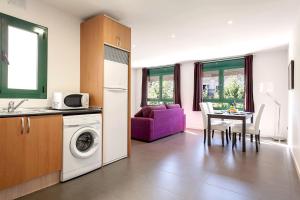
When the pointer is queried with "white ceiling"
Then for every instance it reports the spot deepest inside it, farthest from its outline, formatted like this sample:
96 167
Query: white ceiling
200 27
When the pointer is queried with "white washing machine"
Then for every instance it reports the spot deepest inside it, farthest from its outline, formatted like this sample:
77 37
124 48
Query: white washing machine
82 145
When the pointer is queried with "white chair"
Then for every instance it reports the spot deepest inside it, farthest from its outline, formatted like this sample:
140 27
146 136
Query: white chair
210 107
212 111
251 129
215 125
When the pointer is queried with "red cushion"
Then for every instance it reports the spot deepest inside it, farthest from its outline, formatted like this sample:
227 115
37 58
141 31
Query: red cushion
147 109
171 106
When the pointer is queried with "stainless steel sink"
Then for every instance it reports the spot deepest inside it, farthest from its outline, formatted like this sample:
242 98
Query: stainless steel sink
38 110
4 111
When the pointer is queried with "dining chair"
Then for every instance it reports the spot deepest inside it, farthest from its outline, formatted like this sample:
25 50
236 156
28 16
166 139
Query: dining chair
251 129
210 107
221 126
212 111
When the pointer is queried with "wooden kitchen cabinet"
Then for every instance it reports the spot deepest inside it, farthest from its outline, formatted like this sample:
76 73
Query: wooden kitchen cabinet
48 130
11 152
30 150
116 34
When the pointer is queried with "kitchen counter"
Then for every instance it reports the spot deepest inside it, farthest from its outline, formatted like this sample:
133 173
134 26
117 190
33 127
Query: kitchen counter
47 111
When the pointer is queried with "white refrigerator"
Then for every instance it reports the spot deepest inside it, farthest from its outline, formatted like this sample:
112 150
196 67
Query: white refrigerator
115 111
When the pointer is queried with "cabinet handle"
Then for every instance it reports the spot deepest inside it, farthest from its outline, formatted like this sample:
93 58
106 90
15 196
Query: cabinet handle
22 125
28 124
118 41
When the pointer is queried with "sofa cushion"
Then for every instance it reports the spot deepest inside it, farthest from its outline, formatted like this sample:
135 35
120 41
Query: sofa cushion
147 109
171 106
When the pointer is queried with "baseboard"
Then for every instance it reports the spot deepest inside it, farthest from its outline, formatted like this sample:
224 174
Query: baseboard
196 129
295 163
30 186
115 160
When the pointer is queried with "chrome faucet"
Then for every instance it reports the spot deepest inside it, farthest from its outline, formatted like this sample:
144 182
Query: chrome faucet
11 105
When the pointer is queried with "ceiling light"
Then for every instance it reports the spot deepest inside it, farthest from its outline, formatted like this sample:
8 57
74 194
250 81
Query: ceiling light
173 36
230 22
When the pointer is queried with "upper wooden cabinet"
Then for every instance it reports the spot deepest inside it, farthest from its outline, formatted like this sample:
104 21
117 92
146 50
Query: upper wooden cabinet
116 34
30 147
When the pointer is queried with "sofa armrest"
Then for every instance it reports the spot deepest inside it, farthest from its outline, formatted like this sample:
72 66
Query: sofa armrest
142 128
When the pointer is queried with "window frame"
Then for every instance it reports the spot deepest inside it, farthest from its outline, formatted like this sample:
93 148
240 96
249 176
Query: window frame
161 72
220 66
41 92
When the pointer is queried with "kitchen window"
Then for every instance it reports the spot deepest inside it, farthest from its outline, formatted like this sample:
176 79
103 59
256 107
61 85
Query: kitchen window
223 83
161 85
23 67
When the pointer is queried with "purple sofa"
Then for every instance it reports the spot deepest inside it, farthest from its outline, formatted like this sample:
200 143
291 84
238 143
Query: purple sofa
155 122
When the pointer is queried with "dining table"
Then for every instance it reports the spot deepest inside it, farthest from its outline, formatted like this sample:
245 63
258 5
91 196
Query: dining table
239 116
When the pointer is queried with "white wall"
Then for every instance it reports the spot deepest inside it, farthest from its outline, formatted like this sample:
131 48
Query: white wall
136 90
268 66
271 67
193 119
133 91
63 45
294 99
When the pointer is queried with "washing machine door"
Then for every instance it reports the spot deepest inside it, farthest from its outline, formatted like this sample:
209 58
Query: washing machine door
84 142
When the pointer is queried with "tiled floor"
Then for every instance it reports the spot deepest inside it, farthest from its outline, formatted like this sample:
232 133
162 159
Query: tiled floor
181 167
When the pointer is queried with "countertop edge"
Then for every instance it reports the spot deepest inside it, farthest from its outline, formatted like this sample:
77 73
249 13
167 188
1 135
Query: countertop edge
55 112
